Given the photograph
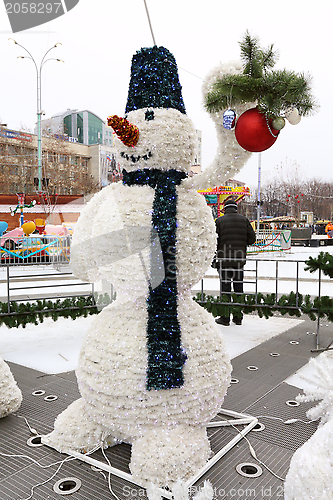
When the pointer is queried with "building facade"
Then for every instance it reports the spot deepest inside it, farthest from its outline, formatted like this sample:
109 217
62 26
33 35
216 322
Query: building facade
83 127
68 168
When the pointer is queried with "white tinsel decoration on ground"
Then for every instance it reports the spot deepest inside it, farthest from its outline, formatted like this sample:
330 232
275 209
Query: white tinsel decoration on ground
112 241
310 476
181 492
10 394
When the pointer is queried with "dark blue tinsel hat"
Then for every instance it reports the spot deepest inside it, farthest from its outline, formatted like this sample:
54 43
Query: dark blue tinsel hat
154 81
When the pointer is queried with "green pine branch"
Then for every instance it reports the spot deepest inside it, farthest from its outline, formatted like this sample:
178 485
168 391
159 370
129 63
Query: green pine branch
275 91
324 262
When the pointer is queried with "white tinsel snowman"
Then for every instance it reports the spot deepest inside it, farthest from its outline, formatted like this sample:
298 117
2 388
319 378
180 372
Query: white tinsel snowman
310 474
153 369
10 394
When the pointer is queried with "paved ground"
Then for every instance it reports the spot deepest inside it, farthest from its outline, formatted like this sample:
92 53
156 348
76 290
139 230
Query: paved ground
258 389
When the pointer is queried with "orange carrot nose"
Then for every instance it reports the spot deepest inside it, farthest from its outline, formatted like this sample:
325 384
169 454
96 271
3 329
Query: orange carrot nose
125 130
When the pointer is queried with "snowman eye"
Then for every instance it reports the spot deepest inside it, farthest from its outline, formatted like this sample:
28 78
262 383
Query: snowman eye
149 115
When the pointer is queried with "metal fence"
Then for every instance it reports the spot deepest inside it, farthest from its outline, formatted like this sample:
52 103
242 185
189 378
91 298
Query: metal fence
52 249
261 275
277 277
22 284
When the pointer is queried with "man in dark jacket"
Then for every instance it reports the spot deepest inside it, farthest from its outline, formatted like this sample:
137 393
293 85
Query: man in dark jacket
234 234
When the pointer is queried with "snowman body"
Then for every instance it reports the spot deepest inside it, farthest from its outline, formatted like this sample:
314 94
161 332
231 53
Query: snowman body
113 241
10 394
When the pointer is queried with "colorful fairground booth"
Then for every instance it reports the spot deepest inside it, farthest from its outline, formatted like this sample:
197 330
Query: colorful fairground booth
217 196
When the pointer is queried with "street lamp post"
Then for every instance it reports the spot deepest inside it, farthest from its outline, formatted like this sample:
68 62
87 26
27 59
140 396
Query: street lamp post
39 102
259 194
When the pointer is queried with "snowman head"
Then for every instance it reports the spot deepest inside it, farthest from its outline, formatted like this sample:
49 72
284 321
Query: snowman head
155 133
165 140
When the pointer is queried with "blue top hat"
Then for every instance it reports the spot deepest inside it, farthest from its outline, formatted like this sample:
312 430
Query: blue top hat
154 81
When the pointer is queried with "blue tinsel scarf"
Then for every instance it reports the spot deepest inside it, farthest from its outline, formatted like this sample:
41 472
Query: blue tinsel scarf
165 355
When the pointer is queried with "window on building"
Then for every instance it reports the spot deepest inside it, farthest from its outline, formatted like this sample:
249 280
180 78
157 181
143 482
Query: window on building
52 157
79 125
68 125
95 129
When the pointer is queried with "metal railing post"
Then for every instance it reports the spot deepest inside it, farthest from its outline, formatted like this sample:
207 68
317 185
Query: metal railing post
8 290
297 276
276 280
256 287
318 319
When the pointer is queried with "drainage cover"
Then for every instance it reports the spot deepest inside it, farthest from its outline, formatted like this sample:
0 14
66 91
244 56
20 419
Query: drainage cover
252 368
67 486
234 381
39 392
51 397
294 342
35 441
248 469
292 402
274 354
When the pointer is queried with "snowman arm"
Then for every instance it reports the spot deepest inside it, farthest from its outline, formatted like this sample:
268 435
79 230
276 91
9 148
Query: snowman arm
230 157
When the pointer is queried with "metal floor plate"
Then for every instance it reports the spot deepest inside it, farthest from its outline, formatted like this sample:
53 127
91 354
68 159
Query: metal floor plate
259 392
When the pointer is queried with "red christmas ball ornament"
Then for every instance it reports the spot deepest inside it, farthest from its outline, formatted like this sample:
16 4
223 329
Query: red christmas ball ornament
254 132
298 201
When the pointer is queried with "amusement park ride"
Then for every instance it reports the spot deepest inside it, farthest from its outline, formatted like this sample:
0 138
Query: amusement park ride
217 196
32 241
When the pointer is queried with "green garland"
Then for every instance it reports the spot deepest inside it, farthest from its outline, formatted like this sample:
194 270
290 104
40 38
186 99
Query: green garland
34 313
276 92
324 262
74 307
266 305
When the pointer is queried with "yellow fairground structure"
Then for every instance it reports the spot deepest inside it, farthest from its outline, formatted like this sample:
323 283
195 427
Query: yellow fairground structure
217 196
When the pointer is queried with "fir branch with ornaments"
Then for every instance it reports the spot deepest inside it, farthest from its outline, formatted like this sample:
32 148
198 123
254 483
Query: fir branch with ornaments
279 95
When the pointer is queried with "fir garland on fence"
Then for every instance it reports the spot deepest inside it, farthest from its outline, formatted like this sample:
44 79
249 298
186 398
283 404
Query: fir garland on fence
22 314
324 262
266 305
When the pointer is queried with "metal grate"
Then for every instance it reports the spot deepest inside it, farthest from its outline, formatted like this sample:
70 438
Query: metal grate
261 392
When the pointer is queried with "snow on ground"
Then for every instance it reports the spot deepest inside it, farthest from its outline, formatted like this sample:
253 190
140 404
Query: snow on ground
53 347
50 347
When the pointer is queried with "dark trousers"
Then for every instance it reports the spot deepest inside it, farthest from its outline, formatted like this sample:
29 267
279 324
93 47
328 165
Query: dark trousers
234 277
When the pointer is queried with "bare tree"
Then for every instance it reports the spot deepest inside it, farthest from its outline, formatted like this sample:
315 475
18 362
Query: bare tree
64 170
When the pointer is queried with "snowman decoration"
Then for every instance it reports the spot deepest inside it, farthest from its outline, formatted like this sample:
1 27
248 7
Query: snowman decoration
153 368
310 473
10 394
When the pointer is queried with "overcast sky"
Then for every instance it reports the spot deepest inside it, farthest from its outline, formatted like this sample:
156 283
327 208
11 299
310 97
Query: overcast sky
99 38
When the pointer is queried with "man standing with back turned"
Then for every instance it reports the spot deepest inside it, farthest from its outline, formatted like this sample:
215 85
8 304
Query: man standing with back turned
234 233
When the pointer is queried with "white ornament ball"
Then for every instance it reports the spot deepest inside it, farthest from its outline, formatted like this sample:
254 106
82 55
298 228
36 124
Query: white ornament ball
293 117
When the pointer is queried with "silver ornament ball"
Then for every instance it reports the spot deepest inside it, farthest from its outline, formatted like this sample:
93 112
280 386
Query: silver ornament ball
278 122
